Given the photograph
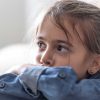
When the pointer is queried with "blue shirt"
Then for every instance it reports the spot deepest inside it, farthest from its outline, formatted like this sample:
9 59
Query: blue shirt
48 83
61 84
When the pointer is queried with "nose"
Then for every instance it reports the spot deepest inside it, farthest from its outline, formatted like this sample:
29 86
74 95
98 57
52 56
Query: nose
47 58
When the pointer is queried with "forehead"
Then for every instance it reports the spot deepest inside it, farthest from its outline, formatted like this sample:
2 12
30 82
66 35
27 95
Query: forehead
50 29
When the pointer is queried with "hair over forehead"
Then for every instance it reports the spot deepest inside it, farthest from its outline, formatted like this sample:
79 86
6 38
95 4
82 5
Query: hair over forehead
87 17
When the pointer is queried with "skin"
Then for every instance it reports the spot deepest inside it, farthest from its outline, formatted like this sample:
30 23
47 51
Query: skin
54 49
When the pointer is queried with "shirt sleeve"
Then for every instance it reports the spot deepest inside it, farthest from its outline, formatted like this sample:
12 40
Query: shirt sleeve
61 84
30 78
11 89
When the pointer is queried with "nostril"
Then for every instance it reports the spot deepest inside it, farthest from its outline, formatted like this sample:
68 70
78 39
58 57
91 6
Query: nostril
47 63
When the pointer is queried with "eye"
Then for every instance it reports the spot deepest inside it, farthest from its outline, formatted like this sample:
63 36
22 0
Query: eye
62 48
41 45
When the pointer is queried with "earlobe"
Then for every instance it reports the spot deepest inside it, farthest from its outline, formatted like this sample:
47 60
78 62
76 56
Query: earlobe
95 66
93 70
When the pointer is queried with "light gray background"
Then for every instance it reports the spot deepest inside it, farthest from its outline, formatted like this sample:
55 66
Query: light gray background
16 17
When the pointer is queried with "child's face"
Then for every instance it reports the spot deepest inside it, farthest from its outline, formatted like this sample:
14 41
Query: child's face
55 50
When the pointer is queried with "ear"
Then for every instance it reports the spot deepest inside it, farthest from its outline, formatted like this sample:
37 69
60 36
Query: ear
95 65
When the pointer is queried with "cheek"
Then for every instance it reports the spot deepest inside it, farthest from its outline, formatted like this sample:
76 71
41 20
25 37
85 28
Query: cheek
37 58
80 66
61 61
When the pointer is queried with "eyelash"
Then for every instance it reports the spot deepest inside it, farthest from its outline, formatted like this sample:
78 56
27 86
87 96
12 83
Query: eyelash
58 48
41 45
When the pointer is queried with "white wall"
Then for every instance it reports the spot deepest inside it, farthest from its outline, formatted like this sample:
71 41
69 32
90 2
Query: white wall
12 21
16 18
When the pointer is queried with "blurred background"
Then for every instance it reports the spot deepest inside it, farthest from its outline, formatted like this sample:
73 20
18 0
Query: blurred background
16 18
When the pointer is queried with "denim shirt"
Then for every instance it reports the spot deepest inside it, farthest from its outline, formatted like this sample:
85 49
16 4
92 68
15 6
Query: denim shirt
47 83
61 84
12 89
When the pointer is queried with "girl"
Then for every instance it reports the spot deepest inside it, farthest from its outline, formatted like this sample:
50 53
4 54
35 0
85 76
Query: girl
68 40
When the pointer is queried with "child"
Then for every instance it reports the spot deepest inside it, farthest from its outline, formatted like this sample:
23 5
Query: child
68 35
68 41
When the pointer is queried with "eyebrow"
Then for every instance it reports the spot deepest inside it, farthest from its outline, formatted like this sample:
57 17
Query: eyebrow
65 42
40 38
58 41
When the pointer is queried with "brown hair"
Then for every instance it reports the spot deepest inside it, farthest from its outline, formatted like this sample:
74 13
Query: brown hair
85 15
